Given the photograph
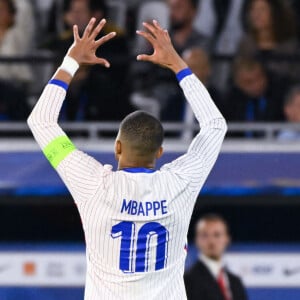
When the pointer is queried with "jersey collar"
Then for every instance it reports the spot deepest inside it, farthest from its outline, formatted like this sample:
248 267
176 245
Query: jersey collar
138 170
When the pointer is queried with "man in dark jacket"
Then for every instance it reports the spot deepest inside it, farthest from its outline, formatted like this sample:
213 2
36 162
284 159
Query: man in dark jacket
209 279
256 96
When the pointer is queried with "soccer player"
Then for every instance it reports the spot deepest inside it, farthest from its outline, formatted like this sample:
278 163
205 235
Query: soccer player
135 219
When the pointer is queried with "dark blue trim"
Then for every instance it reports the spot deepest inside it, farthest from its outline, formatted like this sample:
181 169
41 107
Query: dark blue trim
45 293
233 191
60 83
138 170
183 73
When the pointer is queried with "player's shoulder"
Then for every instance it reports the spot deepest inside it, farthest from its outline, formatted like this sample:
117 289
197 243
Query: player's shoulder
174 174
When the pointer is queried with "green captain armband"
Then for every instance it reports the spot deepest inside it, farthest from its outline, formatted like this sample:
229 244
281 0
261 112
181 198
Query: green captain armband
58 150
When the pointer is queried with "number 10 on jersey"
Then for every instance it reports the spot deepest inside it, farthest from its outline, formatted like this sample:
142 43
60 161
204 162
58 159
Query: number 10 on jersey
139 252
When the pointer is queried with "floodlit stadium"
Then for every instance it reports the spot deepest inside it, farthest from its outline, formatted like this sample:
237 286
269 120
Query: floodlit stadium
149 150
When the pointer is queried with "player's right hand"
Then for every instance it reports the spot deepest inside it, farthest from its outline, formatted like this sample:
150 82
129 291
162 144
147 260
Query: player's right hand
84 48
164 53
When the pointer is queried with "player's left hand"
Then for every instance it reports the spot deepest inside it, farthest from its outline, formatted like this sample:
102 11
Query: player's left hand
84 48
164 53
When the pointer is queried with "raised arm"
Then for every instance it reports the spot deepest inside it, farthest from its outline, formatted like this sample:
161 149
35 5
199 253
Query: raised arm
195 165
78 170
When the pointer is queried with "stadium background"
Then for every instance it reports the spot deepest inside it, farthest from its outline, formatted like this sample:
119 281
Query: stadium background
255 184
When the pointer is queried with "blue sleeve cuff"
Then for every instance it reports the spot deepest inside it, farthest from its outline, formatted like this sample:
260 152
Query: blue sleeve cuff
59 83
183 73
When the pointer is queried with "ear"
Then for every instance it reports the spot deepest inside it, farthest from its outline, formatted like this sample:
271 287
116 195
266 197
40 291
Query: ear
159 153
118 149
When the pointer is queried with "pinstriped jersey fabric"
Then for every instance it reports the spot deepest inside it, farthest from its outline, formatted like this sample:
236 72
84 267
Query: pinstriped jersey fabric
135 223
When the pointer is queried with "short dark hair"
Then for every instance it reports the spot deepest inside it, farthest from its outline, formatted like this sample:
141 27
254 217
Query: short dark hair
246 63
283 19
11 6
143 131
214 217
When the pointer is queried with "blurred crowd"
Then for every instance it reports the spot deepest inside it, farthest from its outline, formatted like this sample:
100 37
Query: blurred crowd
244 51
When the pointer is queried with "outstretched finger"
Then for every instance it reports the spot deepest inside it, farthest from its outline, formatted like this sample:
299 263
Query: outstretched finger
102 61
166 32
149 37
105 39
157 25
144 57
89 28
151 28
76 33
97 29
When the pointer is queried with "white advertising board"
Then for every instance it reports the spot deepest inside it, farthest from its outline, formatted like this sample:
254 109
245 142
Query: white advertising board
68 269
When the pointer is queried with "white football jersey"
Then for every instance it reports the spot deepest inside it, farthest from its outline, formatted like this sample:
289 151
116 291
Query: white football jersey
135 220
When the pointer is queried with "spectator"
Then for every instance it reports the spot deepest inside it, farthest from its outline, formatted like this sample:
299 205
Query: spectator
182 31
209 278
78 12
177 108
271 30
292 115
14 41
95 92
148 11
221 21
25 21
198 60
155 94
255 95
